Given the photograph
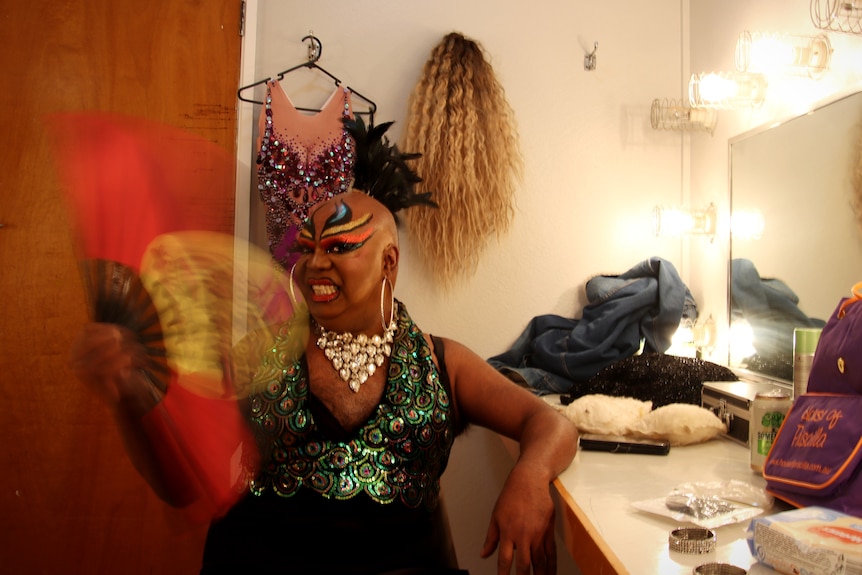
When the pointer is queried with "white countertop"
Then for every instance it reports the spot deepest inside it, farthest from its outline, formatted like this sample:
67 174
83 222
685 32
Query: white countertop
606 535
604 485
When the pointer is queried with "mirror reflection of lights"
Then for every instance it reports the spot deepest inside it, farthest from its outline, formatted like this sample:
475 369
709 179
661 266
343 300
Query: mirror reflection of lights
747 224
740 341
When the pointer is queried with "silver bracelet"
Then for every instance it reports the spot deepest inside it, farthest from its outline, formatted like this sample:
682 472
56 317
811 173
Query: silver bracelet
718 569
692 540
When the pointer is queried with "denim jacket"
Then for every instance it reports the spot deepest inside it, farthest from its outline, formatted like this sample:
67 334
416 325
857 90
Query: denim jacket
771 308
645 303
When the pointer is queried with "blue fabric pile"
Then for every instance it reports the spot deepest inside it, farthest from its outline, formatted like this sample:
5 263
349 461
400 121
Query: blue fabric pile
638 310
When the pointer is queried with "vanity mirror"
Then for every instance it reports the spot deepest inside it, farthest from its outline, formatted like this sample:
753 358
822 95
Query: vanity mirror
798 176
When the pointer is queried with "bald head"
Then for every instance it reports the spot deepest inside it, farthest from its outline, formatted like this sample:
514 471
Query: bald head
353 206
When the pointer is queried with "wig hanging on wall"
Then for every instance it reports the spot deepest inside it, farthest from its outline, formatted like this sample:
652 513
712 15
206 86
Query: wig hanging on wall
461 123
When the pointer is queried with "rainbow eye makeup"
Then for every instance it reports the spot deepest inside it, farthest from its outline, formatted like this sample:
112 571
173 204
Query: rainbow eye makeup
347 242
340 234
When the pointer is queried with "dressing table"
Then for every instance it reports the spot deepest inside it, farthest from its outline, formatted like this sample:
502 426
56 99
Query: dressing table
601 529
606 535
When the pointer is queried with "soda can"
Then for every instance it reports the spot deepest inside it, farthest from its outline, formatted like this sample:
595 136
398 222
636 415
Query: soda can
767 414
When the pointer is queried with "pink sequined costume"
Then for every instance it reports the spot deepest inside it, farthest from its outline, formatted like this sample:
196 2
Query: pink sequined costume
302 160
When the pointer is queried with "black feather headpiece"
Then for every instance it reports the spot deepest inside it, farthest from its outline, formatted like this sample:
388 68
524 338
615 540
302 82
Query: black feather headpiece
381 169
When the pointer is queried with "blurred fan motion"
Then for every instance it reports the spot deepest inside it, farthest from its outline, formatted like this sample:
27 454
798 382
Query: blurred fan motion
151 211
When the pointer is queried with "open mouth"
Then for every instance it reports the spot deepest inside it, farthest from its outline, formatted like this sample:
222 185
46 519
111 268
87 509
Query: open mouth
323 291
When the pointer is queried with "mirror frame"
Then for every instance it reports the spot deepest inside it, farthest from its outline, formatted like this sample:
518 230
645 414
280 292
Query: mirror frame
744 372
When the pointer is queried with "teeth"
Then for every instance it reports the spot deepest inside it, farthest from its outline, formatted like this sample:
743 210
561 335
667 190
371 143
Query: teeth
323 289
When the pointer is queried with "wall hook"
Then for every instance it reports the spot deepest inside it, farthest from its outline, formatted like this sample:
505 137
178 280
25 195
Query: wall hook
590 59
315 47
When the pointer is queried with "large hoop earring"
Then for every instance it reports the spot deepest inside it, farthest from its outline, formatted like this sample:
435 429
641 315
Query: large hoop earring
387 326
293 299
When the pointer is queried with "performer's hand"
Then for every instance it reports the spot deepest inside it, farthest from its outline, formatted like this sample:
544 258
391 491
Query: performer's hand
522 527
108 358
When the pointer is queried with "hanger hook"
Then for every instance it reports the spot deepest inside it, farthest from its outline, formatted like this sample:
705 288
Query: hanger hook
315 48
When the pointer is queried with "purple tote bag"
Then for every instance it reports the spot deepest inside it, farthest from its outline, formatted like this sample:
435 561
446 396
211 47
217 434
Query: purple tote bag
816 457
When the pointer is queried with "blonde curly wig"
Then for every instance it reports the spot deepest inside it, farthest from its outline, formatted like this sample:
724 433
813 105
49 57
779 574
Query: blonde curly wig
461 123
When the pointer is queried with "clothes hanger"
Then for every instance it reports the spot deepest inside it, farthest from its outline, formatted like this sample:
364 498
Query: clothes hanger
315 49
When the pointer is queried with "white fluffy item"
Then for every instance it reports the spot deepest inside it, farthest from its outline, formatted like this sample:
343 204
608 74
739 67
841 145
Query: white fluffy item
679 423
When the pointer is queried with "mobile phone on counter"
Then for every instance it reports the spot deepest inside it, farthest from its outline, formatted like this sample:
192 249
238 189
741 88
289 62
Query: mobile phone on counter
620 444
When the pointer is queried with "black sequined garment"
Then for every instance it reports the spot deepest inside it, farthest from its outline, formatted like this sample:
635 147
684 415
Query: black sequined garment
778 365
656 377
332 501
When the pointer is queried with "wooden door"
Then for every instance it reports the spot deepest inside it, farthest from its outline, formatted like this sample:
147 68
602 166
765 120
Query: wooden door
70 501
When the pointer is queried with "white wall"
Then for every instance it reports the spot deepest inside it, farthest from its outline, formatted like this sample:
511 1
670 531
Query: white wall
715 26
594 166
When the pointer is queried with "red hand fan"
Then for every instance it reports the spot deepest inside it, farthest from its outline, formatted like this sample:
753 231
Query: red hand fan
150 215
